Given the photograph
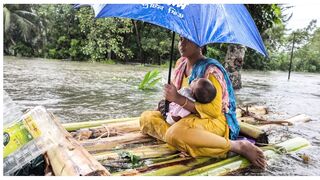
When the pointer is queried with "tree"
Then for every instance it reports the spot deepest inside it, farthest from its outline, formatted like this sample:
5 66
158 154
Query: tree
104 36
62 32
156 43
20 28
61 36
265 16
307 55
138 39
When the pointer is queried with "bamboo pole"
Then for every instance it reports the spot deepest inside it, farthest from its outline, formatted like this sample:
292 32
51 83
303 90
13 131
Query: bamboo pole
178 160
118 128
150 167
154 163
107 130
263 121
178 168
253 132
295 120
236 163
249 120
144 152
81 134
106 144
88 124
69 158
189 166
255 119
163 159
260 110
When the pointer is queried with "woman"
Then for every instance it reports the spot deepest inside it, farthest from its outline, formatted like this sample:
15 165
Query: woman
205 132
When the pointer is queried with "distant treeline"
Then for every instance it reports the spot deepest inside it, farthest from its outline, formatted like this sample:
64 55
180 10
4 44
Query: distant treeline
62 32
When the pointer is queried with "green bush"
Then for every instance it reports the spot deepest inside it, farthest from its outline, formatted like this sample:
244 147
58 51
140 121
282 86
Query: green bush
109 61
52 53
21 49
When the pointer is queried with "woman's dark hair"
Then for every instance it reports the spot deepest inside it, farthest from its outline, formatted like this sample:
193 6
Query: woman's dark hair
205 92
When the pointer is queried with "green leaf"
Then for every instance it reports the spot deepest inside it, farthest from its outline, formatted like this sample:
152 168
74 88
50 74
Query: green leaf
154 82
144 81
150 80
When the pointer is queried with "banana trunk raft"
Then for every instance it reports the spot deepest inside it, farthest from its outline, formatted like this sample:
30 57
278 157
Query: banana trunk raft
117 147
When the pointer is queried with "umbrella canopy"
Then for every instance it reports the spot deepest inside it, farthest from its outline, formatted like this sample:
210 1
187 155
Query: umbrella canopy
200 23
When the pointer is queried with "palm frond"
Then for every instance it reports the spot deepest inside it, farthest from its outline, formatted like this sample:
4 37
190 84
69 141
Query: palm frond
20 18
25 25
154 82
23 13
154 74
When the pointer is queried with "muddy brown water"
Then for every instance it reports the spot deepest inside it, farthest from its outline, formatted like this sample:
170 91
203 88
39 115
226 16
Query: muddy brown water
83 91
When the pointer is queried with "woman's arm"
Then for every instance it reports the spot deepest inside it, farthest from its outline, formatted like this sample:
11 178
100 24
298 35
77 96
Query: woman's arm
171 94
186 103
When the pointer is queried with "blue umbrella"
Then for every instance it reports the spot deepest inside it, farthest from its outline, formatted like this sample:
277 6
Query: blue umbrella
200 23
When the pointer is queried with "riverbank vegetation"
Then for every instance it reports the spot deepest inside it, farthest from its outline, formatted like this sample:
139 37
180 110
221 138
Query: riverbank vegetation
62 32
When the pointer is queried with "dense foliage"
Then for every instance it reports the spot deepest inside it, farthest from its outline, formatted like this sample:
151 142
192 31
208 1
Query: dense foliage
61 32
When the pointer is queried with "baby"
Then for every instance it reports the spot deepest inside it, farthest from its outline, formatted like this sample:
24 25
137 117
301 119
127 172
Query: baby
201 90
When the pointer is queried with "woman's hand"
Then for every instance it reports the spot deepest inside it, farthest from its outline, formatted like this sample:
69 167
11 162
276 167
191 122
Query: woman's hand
170 93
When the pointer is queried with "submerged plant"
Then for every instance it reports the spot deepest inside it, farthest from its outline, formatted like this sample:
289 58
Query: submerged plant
150 80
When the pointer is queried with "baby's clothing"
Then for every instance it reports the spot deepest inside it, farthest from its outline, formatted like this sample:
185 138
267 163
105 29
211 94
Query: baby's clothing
178 111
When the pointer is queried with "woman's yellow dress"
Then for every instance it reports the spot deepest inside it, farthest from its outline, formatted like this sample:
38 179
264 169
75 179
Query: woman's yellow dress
204 134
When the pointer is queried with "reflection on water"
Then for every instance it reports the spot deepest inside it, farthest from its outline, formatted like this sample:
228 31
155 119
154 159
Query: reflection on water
81 91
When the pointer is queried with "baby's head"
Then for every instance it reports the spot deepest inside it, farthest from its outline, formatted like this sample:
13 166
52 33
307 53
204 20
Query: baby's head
203 90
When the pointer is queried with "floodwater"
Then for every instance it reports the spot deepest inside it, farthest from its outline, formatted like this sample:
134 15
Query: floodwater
82 91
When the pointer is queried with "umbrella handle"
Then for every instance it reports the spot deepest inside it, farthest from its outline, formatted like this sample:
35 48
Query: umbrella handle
166 106
171 57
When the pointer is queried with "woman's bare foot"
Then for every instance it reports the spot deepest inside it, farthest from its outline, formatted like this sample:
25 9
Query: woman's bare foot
250 151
